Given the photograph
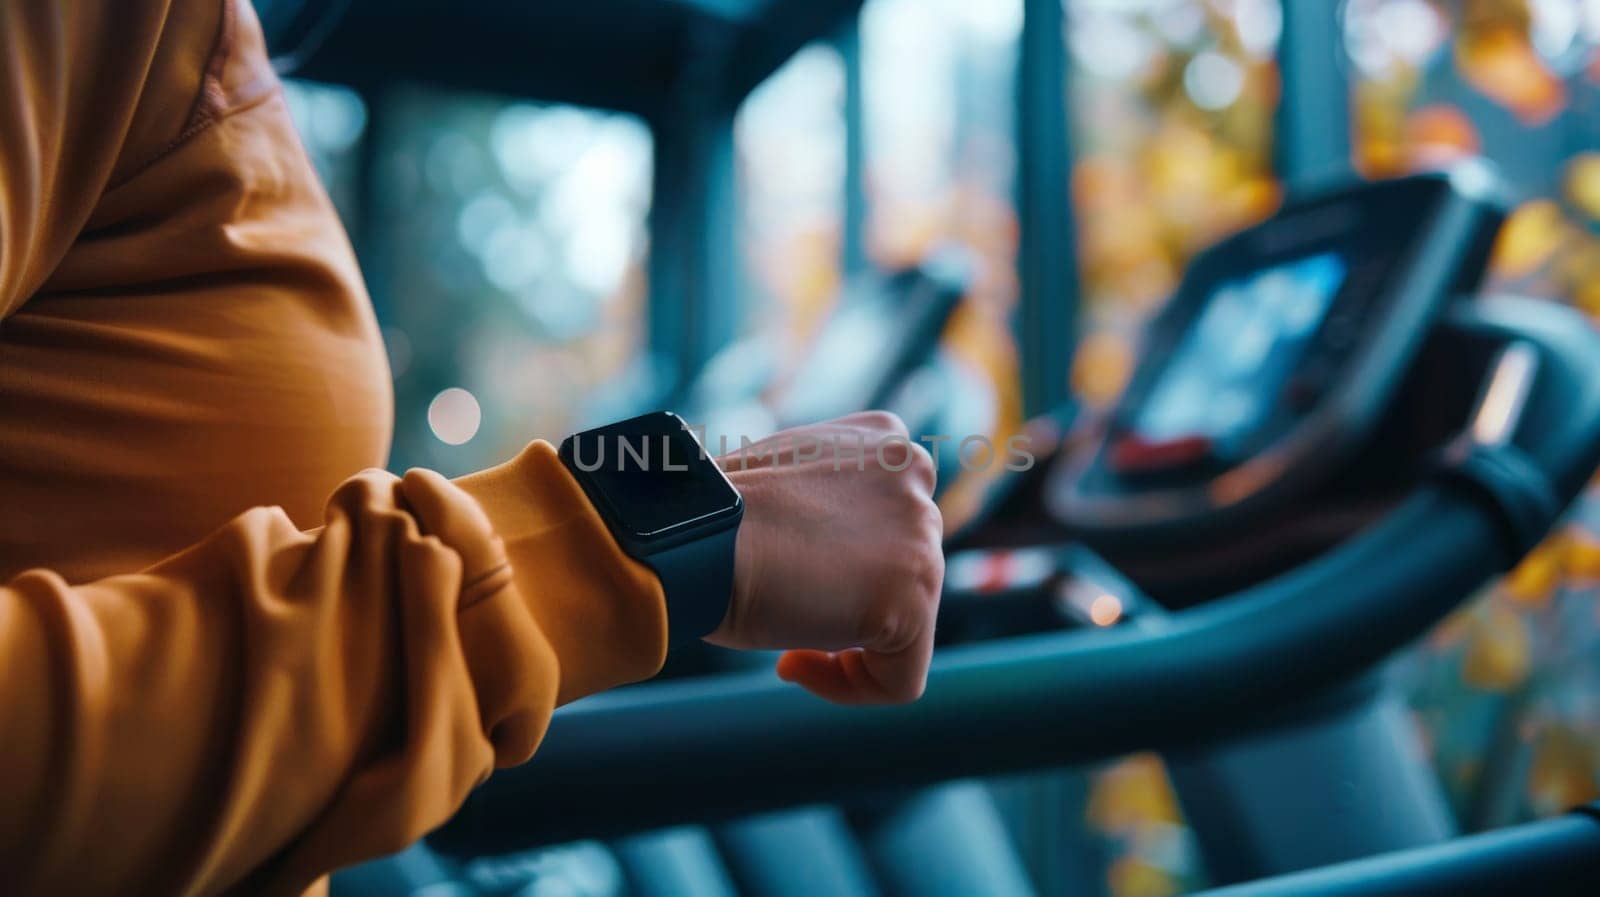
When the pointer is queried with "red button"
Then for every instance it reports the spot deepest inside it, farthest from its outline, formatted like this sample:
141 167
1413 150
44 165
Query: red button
1132 454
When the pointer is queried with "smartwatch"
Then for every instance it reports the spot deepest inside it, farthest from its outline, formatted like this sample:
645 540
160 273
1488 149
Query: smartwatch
669 506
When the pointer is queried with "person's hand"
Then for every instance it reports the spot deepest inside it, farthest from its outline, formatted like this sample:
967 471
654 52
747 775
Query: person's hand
838 558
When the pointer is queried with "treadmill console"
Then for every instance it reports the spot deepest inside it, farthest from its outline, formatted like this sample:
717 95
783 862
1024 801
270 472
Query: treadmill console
1277 355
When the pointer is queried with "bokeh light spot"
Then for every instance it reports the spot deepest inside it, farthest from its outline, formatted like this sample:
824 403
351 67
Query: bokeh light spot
1105 610
454 416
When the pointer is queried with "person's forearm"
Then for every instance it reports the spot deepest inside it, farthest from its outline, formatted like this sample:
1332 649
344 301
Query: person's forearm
270 704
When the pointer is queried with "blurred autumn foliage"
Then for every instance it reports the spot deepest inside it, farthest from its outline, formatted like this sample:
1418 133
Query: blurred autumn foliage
1172 109
1507 691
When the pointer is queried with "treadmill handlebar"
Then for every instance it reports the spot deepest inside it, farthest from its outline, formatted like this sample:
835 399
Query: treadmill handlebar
706 749
1558 857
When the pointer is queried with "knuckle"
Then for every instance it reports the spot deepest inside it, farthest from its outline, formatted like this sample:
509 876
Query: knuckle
928 575
933 526
895 456
894 621
916 576
921 459
881 622
884 421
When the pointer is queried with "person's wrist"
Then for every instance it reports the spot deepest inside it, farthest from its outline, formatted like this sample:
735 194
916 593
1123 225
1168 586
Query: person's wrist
744 565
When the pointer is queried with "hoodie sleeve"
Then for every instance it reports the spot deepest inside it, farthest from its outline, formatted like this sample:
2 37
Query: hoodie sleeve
271 704
274 700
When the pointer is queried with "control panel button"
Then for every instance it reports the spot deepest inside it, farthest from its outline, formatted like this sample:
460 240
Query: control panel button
1134 454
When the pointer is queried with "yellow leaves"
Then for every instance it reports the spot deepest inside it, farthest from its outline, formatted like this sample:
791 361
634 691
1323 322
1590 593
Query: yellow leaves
1534 581
1131 794
1501 64
1544 250
1528 239
1578 273
1133 799
1159 179
1379 108
1498 646
1571 556
1130 876
1391 141
1582 183
1101 367
1498 650
1438 135
1583 558
1563 771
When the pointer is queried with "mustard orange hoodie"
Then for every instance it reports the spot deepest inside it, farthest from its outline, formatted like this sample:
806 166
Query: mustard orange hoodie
231 658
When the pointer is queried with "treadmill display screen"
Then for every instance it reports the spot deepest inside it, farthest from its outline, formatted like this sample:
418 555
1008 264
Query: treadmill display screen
1223 380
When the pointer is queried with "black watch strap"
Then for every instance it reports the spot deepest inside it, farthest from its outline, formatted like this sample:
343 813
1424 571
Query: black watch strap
697 579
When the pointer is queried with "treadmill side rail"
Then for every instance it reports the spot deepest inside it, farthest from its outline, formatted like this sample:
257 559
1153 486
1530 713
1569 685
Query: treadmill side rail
1557 857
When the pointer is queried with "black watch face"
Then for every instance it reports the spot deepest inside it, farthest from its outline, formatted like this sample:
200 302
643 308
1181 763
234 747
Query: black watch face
650 473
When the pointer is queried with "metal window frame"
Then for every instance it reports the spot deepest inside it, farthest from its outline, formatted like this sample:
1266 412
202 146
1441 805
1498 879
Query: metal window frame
698 283
1047 268
694 268
1047 325
1311 139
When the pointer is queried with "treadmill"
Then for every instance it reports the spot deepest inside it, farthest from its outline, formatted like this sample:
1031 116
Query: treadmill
1329 443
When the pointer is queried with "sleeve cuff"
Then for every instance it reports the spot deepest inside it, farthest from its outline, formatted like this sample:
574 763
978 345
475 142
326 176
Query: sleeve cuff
602 611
